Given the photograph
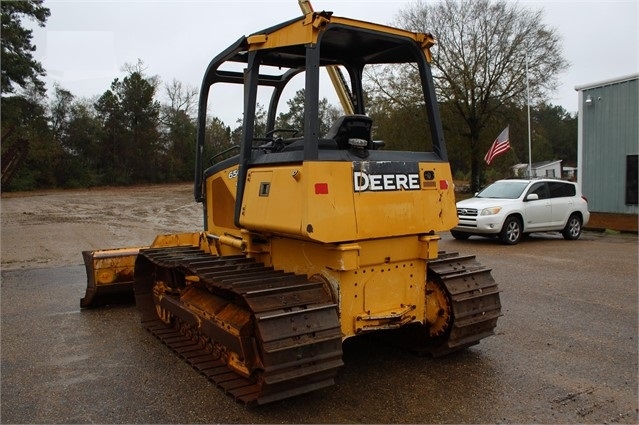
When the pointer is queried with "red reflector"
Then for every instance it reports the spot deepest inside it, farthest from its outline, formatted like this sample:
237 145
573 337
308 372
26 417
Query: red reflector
443 184
321 188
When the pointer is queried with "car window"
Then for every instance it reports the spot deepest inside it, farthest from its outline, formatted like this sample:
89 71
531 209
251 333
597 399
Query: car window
540 189
503 190
560 189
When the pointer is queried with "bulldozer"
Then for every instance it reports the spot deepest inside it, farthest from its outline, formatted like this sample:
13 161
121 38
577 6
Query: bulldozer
308 239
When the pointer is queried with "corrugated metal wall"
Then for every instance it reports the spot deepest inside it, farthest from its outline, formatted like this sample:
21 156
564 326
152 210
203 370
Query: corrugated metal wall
610 133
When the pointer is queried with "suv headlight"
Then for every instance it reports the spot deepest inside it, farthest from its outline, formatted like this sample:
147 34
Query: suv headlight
490 211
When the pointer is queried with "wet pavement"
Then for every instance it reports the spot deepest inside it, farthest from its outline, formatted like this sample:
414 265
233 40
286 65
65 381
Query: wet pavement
565 352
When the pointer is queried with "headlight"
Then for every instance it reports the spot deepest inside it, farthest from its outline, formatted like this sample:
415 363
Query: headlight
490 211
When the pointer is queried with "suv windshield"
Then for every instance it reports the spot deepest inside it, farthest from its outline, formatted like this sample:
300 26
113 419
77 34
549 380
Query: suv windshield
503 190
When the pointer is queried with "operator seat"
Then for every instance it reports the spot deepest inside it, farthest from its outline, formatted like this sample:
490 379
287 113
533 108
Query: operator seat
351 127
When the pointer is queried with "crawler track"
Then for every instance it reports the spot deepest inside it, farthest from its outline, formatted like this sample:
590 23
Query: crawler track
291 341
474 300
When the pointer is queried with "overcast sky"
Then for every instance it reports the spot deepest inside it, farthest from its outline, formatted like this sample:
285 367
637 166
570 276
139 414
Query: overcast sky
85 43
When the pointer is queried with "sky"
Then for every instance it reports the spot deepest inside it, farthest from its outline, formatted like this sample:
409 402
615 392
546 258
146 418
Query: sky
85 44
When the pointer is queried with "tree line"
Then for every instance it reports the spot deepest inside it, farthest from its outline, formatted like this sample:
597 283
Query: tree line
128 136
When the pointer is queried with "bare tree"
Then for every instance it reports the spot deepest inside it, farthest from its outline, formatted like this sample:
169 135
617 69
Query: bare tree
479 63
140 68
178 128
181 98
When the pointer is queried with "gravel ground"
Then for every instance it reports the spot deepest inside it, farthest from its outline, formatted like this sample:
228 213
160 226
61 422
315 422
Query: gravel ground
565 350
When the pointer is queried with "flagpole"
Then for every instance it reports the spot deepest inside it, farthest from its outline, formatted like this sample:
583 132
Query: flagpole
528 104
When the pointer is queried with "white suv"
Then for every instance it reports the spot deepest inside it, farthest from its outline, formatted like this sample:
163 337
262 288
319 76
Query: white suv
511 208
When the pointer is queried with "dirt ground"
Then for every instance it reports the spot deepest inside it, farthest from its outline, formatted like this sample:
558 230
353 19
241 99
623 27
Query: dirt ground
51 228
565 349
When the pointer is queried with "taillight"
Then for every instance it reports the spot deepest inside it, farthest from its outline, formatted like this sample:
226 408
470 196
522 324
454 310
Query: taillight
584 198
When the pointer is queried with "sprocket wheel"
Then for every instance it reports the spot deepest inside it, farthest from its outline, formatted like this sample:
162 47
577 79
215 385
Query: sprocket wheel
438 309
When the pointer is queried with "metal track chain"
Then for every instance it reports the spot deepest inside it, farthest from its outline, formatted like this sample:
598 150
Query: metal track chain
474 299
297 331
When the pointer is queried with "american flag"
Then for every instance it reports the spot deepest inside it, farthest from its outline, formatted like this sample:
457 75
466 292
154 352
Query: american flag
499 146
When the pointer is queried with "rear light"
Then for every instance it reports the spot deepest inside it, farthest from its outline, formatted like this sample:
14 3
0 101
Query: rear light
584 198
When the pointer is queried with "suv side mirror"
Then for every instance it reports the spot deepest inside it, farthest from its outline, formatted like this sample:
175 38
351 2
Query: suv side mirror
532 197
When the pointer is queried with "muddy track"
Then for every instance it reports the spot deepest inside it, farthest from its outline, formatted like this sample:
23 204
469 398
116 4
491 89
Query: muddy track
474 299
291 346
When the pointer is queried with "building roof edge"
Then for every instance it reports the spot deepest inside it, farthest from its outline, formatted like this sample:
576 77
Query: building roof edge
608 82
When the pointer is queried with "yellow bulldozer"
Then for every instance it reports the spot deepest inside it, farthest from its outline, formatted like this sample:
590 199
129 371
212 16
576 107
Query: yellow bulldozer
309 239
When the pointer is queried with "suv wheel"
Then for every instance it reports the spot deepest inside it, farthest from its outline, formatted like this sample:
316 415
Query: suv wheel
462 236
572 230
511 232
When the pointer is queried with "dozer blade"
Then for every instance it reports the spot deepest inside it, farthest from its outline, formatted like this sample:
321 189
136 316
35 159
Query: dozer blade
109 276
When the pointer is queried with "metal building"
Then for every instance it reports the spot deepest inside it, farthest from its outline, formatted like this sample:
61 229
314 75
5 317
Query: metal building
608 148
539 169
